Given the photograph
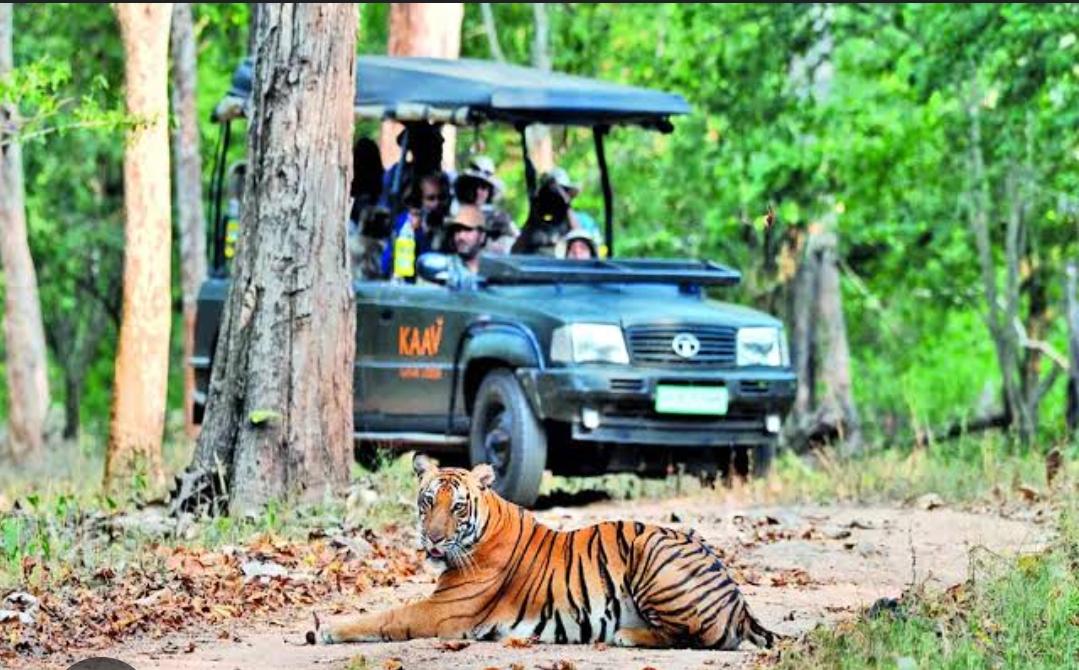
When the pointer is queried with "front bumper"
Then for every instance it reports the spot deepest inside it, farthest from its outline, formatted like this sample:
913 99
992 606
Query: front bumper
624 400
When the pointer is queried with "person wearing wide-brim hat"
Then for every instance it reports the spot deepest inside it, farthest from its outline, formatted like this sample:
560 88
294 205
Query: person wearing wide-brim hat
559 177
468 236
477 183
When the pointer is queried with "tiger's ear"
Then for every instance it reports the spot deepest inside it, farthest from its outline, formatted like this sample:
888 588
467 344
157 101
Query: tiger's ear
424 465
484 474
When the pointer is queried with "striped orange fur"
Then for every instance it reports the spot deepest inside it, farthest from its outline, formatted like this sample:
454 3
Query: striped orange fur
507 575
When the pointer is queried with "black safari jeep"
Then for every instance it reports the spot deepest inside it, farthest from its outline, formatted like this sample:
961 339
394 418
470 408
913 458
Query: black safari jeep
581 367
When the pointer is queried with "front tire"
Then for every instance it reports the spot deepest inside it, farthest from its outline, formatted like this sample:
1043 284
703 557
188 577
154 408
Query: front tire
507 435
755 460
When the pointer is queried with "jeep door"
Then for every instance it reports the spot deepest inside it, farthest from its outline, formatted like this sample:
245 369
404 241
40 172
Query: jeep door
406 342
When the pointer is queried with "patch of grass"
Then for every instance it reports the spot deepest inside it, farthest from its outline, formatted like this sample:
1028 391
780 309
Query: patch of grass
962 470
385 495
1011 613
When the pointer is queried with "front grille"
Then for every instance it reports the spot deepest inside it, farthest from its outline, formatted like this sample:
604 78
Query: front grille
653 345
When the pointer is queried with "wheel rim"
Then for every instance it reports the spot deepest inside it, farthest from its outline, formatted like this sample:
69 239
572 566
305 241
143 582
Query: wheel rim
498 439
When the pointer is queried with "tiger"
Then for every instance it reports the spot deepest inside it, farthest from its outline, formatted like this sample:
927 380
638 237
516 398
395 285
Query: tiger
505 574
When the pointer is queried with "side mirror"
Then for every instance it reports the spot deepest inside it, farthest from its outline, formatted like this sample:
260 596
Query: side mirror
433 267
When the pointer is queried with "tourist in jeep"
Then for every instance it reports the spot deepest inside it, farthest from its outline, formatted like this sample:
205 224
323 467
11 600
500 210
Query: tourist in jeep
468 233
428 204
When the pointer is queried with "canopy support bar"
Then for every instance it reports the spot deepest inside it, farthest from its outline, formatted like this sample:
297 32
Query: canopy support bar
530 168
395 199
598 132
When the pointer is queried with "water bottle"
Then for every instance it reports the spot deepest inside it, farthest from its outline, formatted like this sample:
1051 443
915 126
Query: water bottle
404 252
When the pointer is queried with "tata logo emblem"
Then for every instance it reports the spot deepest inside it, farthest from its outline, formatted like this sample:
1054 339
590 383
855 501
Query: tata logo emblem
686 345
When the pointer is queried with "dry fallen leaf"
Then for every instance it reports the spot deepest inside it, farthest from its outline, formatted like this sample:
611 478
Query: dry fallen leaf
796 577
557 665
453 645
518 643
1028 494
393 664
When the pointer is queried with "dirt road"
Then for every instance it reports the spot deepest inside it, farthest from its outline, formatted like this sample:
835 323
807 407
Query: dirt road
800 566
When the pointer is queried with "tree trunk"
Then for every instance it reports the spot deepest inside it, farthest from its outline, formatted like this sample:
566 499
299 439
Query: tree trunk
802 349
1072 411
279 417
1000 329
72 403
24 336
429 30
837 404
142 358
820 353
185 145
540 147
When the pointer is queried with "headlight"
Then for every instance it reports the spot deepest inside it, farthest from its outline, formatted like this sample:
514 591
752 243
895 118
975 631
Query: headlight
589 343
761 346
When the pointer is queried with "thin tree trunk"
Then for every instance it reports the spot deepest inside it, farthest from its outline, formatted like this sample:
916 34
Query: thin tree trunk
1072 410
24 336
185 144
979 222
1013 255
540 147
429 30
72 403
142 359
279 416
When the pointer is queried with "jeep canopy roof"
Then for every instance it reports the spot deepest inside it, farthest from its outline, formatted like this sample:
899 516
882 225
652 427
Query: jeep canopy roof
468 91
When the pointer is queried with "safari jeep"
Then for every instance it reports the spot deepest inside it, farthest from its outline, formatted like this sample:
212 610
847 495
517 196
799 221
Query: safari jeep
581 367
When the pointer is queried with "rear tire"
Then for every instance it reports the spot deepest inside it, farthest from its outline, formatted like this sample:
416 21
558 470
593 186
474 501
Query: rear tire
507 435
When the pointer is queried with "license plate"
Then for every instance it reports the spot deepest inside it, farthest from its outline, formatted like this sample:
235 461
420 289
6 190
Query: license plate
691 399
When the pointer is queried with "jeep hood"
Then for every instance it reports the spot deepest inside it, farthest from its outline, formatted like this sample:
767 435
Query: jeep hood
626 305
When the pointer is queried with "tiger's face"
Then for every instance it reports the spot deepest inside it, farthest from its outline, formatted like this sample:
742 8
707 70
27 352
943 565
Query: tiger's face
450 508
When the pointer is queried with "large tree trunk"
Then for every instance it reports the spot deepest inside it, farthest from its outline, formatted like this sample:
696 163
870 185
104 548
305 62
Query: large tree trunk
142 358
429 30
185 145
24 336
279 417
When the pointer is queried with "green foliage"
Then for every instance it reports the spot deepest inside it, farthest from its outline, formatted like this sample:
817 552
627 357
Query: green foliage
852 114
857 114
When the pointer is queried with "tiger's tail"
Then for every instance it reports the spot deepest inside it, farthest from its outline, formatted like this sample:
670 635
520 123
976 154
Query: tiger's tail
755 632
